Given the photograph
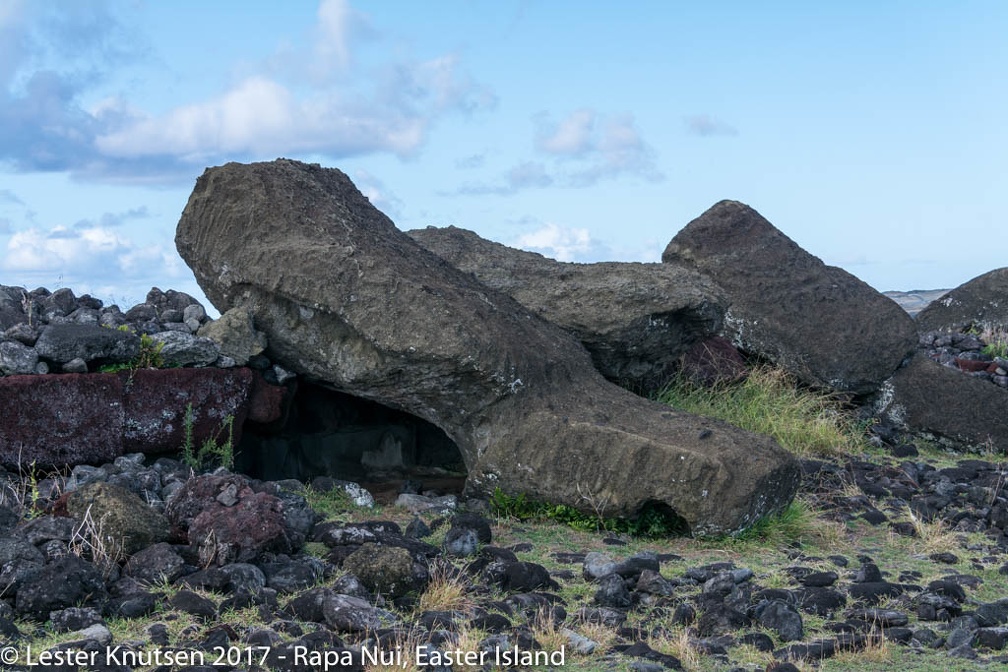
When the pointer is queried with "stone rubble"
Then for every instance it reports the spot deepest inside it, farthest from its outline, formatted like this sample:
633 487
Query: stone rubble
369 574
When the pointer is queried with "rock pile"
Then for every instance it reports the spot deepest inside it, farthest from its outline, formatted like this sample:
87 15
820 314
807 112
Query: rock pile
944 393
131 407
191 555
57 332
966 351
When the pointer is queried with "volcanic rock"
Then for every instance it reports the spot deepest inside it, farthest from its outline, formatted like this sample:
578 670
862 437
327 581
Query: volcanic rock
127 523
636 320
818 322
228 520
93 418
346 298
935 401
61 343
981 302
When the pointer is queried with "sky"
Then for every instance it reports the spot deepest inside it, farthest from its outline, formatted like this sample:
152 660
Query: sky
873 134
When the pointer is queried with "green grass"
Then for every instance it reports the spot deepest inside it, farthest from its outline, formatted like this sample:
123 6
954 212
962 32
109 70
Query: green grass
805 422
149 356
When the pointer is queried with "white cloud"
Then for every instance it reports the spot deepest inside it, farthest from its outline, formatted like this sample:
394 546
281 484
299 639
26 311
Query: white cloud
558 242
583 149
263 118
620 150
94 255
331 46
311 100
571 137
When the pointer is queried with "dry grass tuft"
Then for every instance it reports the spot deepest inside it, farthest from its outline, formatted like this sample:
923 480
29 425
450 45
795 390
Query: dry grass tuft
933 536
90 542
547 632
678 643
446 591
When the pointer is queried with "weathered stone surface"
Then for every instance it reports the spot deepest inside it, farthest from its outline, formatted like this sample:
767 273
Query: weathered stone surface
179 348
981 302
63 342
67 582
385 570
227 520
237 337
126 522
346 298
636 320
935 401
158 399
155 564
17 359
53 421
12 303
819 322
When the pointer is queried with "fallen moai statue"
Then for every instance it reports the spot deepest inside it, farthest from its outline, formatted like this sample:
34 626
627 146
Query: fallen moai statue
637 320
347 299
819 322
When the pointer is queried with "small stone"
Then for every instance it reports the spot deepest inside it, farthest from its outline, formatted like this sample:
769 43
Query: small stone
819 579
782 618
17 359
461 542
193 604
596 565
579 643
612 592
417 529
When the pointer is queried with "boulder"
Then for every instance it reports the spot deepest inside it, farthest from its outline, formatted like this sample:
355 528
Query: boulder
236 335
980 303
179 348
65 582
346 298
125 522
62 343
385 570
818 322
94 418
636 320
227 520
940 403
13 301
17 359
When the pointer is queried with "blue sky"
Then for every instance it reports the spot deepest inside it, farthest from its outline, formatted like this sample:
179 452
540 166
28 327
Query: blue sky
871 133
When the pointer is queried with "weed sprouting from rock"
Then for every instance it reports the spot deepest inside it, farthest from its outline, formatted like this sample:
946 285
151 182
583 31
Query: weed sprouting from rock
213 452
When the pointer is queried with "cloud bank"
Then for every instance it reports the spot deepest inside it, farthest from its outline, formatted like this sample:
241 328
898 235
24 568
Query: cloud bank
580 150
52 60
